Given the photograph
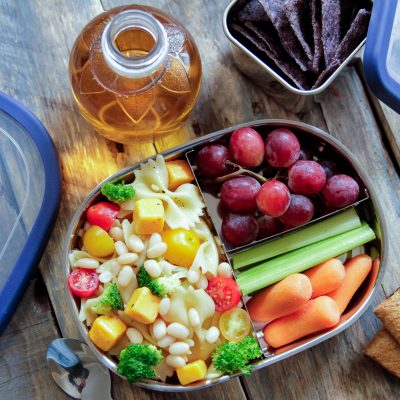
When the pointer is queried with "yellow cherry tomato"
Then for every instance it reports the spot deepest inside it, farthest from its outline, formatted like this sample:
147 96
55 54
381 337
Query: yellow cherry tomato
97 242
234 324
182 246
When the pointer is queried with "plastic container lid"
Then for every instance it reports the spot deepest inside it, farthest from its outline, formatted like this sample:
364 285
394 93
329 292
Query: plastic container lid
382 52
29 199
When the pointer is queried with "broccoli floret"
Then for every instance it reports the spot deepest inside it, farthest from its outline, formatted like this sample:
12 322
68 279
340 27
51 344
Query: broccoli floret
108 301
232 357
161 286
118 192
136 361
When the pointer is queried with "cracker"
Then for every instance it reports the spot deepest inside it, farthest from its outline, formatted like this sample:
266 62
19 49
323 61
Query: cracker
316 21
276 12
283 62
331 16
252 11
298 15
389 313
354 36
386 351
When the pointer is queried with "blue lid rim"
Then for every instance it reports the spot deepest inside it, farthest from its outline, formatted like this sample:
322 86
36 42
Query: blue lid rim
32 251
376 50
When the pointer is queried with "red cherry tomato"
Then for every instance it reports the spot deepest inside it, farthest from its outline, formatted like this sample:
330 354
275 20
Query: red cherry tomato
224 291
83 282
102 214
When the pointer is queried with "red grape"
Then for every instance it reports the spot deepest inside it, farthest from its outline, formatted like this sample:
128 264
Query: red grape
305 154
268 226
340 191
239 229
282 149
306 177
239 194
329 167
300 211
273 198
247 147
211 160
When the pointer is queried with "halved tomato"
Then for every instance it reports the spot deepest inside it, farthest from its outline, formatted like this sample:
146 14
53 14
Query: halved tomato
234 324
224 291
83 282
102 214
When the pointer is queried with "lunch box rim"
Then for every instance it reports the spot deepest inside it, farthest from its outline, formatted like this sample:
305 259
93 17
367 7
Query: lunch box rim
269 360
273 73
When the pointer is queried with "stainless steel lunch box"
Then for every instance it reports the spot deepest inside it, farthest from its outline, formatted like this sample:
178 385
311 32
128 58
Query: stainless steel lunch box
375 216
266 77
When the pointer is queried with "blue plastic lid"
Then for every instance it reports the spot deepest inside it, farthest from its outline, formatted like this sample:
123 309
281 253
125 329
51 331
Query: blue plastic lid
382 52
29 199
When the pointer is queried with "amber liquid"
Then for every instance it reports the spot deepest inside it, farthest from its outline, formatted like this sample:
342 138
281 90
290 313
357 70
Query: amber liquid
129 109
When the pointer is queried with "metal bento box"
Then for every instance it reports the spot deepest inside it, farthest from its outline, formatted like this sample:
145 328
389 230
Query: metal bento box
368 207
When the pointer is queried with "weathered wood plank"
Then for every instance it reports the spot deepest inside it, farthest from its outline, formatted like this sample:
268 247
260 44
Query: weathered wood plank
23 345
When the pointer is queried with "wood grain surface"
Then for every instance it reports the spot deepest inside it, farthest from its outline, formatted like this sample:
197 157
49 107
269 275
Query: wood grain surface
35 41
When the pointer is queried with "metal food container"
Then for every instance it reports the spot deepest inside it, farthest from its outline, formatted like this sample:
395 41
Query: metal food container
370 209
265 76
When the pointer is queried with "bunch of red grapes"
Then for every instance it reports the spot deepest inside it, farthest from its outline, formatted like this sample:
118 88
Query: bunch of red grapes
257 210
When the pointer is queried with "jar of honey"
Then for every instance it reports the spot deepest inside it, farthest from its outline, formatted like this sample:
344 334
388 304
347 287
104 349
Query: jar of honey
135 73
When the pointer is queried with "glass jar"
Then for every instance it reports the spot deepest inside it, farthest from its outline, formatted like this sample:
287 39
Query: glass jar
135 73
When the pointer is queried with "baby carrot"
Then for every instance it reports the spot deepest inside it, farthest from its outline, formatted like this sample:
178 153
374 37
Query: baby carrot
357 270
280 299
318 314
326 277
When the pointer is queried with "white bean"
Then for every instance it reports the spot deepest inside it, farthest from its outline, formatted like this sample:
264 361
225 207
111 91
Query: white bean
105 276
190 342
175 361
159 328
203 282
125 276
128 258
163 308
166 267
153 268
194 318
166 341
157 250
178 330
155 238
224 269
86 226
115 268
120 248
87 263
178 348
134 335
212 334
116 223
135 244
193 276
155 188
116 233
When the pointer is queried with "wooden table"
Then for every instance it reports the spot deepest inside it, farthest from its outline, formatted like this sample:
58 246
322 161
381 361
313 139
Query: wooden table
36 37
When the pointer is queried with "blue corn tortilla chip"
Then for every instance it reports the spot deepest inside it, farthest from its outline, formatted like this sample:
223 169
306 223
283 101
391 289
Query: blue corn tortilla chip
285 63
331 16
299 17
276 12
316 21
354 36
252 11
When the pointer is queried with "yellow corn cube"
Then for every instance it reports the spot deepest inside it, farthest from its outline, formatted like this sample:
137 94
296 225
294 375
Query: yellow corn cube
149 216
192 372
106 332
179 173
143 306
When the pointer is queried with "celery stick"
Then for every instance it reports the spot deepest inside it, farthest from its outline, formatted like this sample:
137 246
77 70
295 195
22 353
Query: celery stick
332 226
301 259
